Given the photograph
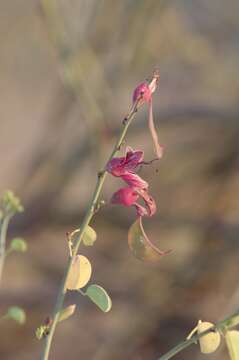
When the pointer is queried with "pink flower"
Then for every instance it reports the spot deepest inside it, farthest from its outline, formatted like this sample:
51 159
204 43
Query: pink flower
126 166
119 166
128 196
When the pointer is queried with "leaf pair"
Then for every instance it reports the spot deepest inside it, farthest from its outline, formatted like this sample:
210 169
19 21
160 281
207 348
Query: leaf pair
78 277
210 342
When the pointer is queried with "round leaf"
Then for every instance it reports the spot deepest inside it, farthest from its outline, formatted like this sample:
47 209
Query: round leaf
66 313
232 340
18 244
140 245
17 314
99 296
79 274
210 342
88 238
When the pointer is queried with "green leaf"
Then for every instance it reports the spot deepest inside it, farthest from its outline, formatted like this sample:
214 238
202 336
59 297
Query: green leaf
141 246
89 236
17 314
232 341
18 244
79 274
99 296
66 313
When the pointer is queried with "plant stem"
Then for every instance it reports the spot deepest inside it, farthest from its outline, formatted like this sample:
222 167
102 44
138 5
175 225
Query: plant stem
88 216
221 325
3 235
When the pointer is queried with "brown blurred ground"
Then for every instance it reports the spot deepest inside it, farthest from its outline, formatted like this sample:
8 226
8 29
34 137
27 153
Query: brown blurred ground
67 74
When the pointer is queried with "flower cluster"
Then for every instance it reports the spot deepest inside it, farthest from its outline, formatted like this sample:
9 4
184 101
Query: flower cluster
125 167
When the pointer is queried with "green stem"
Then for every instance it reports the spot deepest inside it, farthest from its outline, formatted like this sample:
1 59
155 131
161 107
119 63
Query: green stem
88 216
221 325
3 235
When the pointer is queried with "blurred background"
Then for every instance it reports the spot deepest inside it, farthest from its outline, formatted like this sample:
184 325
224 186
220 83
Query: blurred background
68 69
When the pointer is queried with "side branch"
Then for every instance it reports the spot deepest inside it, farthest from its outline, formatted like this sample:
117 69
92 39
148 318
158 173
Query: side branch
223 325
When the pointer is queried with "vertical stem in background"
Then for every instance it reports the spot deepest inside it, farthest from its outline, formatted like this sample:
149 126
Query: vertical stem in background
86 221
3 235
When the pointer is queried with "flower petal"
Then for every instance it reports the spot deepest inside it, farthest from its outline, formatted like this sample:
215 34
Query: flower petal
133 158
125 196
149 201
134 180
119 166
157 147
116 166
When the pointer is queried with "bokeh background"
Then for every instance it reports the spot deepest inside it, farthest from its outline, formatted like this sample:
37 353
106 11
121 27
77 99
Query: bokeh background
67 70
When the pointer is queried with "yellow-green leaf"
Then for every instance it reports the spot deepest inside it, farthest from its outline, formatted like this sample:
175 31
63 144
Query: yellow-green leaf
79 274
17 314
66 313
141 246
99 296
232 341
18 244
210 342
88 238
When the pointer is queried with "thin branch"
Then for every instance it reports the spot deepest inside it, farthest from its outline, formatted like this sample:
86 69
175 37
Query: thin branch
88 216
223 325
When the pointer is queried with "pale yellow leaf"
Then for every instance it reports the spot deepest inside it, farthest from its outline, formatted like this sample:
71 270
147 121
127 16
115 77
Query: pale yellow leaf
79 274
232 340
210 342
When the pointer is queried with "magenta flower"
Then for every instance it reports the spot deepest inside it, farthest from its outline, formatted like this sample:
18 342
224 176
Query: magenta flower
126 166
119 166
128 196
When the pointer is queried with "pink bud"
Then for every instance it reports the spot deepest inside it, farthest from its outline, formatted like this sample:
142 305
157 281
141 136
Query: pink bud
142 92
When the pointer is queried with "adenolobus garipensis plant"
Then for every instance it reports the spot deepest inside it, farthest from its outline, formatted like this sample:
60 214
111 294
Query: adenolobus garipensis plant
79 269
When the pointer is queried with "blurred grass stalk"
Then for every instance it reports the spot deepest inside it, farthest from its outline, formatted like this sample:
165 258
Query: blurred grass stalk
3 235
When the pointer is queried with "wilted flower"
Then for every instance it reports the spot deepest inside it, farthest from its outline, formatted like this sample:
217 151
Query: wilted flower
143 94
